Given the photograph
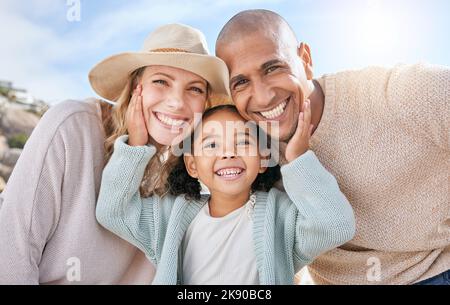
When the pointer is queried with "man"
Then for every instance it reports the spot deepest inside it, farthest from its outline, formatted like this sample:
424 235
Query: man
383 133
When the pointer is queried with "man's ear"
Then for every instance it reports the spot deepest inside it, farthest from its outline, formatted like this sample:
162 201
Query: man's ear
304 52
191 167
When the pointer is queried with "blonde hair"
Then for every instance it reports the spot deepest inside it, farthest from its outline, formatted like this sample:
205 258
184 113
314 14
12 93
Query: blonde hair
157 171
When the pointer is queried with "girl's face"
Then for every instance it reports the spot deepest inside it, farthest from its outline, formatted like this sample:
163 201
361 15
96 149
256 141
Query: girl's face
170 98
226 157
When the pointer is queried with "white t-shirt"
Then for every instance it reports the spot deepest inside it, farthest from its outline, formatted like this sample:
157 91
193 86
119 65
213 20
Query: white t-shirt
220 251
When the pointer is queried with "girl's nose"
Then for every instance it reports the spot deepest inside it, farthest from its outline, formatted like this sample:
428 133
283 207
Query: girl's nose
229 152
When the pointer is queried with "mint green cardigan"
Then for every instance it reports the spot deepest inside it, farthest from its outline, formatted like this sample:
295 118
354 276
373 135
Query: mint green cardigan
289 230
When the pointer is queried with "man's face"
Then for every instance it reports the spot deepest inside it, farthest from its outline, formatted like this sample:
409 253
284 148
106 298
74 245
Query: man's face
267 81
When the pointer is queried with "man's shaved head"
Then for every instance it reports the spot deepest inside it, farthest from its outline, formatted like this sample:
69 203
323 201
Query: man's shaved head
265 22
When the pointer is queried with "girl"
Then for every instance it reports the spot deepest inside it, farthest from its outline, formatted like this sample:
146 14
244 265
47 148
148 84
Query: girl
48 230
245 231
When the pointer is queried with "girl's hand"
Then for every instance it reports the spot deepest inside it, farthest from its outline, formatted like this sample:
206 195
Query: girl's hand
299 143
136 125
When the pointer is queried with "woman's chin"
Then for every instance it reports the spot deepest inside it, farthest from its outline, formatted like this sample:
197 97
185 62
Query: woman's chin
165 141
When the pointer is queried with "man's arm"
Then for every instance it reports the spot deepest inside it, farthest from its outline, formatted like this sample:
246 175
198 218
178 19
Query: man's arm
421 95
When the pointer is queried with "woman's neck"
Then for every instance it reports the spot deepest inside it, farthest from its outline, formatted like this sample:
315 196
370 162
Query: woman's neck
221 204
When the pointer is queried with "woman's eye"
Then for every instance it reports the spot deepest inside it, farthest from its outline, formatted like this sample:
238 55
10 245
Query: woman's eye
160 82
196 89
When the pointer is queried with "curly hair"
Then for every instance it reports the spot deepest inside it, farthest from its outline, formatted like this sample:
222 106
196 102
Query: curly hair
180 182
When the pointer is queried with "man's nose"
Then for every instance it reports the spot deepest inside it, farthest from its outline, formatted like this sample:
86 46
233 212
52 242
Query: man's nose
262 94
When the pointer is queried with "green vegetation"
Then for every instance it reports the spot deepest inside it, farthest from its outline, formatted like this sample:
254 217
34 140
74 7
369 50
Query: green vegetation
18 140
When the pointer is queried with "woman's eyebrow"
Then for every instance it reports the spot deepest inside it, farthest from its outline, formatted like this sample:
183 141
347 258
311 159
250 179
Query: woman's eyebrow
163 74
198 82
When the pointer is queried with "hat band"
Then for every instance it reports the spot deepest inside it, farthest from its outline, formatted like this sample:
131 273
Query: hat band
170 50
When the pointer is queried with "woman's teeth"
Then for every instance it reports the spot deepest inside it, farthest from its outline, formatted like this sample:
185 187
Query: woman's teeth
275 112
169 121
229 172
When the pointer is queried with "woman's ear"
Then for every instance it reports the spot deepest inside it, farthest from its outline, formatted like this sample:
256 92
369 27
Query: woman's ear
191 167
304 52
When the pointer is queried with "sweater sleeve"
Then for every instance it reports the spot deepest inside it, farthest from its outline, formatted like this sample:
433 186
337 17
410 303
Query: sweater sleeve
325 218
421 95
31 202
120 207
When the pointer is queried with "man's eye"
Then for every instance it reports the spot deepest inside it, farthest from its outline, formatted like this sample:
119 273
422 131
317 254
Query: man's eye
272 68
160 82
240 83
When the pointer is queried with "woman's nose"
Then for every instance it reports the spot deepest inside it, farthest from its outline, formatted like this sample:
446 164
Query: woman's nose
175 102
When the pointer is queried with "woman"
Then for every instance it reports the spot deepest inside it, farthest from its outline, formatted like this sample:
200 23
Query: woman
48 230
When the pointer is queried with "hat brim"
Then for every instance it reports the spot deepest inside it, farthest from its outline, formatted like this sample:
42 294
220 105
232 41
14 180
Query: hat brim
109 77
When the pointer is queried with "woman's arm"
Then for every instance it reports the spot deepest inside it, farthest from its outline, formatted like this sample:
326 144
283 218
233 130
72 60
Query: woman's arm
31 202
120 207
325 218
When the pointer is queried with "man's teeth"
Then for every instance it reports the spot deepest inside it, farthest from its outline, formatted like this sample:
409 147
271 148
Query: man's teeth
275 112
169 121
229 172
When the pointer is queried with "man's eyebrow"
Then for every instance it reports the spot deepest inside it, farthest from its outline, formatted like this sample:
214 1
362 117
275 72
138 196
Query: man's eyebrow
270 63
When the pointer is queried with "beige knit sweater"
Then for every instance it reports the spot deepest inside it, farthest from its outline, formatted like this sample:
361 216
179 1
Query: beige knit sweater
48 230
385 135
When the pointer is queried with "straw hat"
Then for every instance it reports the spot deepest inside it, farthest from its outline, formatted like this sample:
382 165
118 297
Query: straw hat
174 45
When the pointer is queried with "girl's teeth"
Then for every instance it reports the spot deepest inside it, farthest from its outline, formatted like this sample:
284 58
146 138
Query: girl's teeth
229 172
169 121
276 112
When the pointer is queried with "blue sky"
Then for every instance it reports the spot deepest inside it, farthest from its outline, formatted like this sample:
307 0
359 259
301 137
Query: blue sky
43 51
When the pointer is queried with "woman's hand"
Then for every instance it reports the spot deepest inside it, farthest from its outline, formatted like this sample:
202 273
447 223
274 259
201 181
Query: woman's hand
137 128
299 143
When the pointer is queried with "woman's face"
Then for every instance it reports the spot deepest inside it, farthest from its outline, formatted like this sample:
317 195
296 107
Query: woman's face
170 98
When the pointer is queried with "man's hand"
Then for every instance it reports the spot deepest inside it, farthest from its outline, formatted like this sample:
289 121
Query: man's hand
299 143
135 121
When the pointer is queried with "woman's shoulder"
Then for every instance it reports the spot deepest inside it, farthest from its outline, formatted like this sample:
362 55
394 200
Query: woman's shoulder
67 108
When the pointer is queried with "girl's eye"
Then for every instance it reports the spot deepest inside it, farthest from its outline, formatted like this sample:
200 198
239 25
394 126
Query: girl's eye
210 145
239 83
160 82
197 90
243 142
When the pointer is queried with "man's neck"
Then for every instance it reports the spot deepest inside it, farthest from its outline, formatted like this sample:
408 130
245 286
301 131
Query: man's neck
317 99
